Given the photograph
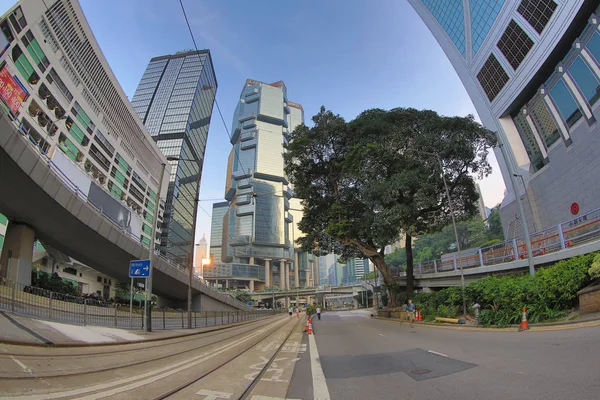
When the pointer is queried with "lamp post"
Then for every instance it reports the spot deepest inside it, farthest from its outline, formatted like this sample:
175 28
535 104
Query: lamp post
528 199
513 183
462 275
190 259
151 256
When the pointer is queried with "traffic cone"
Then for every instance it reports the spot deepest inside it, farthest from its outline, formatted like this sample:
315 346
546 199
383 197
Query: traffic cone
309 326
524 325
419 316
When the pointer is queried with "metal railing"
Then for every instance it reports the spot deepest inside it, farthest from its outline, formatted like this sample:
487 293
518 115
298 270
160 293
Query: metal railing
44 304
574 232
75 189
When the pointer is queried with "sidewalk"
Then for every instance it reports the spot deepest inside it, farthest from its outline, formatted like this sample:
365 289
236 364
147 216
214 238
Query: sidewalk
18 330
582 321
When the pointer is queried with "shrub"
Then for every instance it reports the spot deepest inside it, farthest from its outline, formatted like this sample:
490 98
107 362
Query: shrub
594 271
548 295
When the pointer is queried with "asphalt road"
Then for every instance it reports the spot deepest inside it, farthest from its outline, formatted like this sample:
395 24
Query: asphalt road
364 358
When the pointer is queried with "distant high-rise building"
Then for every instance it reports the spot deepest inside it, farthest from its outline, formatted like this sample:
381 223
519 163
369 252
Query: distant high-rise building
260 225
201 255
532 70
216 231
3 223
174 100
480 204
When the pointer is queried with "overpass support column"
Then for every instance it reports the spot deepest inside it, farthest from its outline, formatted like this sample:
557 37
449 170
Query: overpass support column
17 253
251 286
296 270
282 275
287 275
355 302
251 260
306 278
268 273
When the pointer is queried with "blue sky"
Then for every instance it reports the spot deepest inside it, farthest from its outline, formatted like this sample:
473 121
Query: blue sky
349 55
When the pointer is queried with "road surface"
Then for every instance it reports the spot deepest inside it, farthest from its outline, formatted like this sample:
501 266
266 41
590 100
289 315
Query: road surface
365 358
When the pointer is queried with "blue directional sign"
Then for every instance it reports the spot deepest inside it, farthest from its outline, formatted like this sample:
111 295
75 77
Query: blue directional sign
139 268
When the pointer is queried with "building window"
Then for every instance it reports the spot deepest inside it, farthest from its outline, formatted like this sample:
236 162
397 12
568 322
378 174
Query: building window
492 77
35 51
24 66
6 30
544 122
593 46
537 12
70 270
515 44
531 145
451 16
17 19
565 103
53 77
483 15
585 80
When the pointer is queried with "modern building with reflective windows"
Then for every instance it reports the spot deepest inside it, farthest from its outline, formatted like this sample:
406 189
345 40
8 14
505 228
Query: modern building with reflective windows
532 70
259 227
174 100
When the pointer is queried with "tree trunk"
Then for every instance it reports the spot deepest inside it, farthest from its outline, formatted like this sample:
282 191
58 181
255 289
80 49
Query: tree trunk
410 273
388 279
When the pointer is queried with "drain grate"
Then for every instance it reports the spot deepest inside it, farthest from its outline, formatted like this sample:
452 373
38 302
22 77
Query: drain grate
420 371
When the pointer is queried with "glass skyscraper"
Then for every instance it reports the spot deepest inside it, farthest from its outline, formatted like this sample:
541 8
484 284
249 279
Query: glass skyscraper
259 226
174 100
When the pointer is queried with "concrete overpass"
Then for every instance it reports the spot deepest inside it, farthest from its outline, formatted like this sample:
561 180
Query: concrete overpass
445 278
40 201
318 293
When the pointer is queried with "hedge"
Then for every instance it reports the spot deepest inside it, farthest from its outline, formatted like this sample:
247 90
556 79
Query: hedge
548 295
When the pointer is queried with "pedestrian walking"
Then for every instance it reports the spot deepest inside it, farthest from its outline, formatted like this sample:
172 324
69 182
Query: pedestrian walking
319 313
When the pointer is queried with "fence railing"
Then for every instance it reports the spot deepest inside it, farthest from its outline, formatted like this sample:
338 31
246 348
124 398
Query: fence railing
44 304
75 189
574 232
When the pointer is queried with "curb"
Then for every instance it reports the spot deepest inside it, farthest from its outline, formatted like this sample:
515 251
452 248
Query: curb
550 326
124 342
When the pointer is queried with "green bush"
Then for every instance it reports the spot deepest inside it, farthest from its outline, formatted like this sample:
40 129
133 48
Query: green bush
594 271
548 295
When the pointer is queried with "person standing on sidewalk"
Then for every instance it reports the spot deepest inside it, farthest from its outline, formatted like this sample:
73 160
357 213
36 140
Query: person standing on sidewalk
319 313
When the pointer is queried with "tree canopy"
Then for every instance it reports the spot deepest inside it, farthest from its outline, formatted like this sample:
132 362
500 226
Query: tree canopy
364 182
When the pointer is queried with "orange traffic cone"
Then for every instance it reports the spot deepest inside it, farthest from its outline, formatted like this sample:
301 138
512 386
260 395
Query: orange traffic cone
309 326
524 325
418 316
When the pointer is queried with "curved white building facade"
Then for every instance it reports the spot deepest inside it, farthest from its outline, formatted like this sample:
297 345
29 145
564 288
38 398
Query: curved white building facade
532 70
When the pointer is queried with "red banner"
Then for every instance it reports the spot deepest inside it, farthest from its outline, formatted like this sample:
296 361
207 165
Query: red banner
12 93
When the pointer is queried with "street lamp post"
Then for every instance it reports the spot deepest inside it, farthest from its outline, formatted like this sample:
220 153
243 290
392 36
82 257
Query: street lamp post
462 275
519 205
152 256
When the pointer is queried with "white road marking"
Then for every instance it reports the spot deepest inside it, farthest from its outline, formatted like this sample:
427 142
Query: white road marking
269 398
320 390
436 353
20 364
151 376
212 395
381 335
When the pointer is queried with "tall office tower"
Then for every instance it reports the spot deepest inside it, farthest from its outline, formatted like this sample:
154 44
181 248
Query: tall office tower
174 100
532 70
216 231
70 103
201 255
258 227
480 204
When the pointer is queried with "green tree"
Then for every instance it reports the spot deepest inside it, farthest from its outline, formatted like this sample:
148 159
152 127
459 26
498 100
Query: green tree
494 224
244 297
396 259
362 183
